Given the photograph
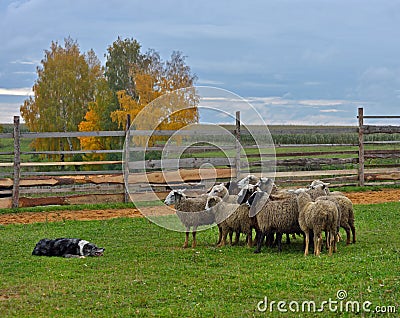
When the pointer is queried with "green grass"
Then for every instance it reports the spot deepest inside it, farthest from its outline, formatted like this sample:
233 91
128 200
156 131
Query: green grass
146 273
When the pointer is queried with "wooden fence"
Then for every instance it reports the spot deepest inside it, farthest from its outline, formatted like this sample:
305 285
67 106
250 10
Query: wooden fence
21 180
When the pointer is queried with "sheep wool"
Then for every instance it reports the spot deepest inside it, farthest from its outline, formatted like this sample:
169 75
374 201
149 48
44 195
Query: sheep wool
318 216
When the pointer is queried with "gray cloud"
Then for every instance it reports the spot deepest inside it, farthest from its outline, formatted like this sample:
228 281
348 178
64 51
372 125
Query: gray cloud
310 50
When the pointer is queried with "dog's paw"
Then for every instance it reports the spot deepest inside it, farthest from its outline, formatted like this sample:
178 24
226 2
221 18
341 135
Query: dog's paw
82 257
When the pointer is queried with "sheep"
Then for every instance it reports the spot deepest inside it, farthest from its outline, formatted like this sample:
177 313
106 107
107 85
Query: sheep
246 193
317 182
267 185
230 218
221 191
346 214
250 179
191 212
273 216
232 187
318 216
317 191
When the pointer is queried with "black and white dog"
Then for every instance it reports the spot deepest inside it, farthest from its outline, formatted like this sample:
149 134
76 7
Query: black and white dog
66 247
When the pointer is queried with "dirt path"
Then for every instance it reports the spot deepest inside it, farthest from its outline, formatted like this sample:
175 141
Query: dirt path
368 197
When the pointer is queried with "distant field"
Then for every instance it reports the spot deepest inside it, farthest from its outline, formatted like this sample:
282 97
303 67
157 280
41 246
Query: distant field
146 273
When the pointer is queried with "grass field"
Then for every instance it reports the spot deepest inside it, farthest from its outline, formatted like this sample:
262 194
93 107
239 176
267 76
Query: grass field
146 273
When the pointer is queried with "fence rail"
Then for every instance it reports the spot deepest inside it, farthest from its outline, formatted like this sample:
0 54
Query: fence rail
355 165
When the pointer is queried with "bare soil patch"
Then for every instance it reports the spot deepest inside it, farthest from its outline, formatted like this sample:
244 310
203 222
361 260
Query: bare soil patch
367 197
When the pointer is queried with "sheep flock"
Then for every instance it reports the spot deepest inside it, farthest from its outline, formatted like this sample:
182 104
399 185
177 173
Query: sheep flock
256 205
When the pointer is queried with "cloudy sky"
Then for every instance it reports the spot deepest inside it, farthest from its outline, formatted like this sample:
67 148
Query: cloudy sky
296 62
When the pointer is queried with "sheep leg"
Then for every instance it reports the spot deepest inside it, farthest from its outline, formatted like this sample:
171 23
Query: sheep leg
249 239
317 243
259 242
287 238
278 241
307 241
223 239
270 240
194 243
219 235
230 237
334 235
330 242
347 229
237 236
353 230
185 245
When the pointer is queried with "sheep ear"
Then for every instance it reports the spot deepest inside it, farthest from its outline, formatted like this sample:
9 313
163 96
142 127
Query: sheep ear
241 196
259 201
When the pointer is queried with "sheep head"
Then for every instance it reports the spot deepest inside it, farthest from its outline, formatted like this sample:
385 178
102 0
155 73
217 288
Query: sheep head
246 193
250 179
219 190
212 201
172 196
267 185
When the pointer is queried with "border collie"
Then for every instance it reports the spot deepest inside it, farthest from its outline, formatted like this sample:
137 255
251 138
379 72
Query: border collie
67 247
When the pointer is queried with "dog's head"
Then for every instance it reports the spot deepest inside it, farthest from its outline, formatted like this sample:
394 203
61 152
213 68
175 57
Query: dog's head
89 249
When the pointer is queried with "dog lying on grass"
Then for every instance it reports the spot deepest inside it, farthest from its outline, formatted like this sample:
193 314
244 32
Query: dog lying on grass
67 247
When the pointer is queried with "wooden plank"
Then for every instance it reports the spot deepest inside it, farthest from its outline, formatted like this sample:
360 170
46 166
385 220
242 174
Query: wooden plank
103 188
386 116
182 175
304 162
382 176
301 130
6 135
360 147
311 161
72 173
16 164
180 163
369 129
74 152
191 149
76 134
237 146
382 155
126 158
61 163
302 154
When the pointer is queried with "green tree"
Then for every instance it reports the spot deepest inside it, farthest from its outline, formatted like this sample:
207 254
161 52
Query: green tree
121 56
66 84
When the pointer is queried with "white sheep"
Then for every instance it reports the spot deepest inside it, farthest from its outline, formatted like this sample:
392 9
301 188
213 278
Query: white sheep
273 216
230 218
318 216
221 191
250 179
346 214
191 212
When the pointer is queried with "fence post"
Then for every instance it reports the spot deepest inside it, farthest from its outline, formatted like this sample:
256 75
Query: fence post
126 162
17 164
238 146
360 147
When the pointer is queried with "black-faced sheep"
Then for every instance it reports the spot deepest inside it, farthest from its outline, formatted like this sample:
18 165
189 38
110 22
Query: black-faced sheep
318 216
191 212
231 218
